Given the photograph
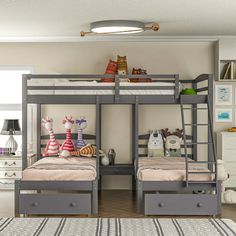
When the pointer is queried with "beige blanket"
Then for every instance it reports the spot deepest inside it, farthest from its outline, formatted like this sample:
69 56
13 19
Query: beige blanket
52 168
170 169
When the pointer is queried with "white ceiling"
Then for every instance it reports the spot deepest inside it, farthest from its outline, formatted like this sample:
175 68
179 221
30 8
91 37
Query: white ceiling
66 18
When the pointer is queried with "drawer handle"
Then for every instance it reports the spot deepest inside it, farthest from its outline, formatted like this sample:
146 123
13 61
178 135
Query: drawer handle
73 204
35 204
161 204
199 204
6 174
11 164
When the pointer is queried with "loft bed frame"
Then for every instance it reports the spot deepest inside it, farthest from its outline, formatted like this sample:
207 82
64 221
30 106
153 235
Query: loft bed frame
84 199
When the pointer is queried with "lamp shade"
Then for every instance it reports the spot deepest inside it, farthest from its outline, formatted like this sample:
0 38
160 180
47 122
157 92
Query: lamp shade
11 126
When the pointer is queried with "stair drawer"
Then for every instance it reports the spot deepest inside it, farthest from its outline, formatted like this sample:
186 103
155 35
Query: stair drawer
10 163
11 174
55 203
180 204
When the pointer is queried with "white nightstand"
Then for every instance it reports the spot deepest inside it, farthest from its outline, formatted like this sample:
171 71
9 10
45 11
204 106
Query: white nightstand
10 170
226 150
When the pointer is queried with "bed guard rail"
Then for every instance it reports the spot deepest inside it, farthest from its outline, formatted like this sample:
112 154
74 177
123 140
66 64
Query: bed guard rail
33 84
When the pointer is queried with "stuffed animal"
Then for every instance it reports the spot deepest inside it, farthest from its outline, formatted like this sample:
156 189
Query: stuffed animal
52 147
86 151
82 124
228 196
68 144
172 142
139 71
110 70
122 66
155 145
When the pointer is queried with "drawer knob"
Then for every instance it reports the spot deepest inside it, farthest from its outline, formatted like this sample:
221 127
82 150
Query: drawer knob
199 204
161 204
73 204
34 204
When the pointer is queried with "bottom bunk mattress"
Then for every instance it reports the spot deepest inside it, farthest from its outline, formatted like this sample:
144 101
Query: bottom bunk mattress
170 169
61 169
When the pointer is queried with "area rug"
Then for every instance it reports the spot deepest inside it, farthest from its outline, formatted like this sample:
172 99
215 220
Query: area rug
115 226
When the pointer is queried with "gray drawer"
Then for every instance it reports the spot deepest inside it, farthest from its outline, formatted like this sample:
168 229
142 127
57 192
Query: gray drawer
55 204
180 204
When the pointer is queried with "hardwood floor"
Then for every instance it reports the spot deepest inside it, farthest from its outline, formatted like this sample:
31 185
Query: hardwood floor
112 203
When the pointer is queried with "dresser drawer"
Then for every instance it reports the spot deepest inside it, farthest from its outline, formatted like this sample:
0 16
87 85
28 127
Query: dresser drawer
180 204
11 174
55 204
7 183
10 163
229 142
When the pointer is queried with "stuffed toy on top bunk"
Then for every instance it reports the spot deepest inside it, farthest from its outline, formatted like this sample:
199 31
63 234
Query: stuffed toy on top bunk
172 142
52 147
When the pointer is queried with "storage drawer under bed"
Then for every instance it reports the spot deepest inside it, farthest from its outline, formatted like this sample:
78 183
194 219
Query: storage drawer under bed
180 204
55 204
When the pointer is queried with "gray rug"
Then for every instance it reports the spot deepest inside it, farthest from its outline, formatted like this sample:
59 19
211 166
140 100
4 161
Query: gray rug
115 226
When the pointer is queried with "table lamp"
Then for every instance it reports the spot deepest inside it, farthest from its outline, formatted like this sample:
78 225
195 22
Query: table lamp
11 127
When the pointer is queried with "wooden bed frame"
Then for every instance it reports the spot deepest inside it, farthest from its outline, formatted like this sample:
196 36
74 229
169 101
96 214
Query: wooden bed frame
82 198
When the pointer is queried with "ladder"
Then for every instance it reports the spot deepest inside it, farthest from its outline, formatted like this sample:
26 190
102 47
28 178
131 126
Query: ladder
210 143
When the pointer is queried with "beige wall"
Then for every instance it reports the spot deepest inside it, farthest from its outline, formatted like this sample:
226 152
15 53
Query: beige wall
186 59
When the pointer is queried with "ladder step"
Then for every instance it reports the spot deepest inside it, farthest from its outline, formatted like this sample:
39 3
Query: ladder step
201 182
195 172
202 162
196 124
199 143
194 108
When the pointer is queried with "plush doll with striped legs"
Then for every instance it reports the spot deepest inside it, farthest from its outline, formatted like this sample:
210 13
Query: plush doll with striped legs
68 145
52 147
82 124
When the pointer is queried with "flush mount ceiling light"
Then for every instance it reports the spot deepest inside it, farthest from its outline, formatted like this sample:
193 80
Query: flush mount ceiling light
119 27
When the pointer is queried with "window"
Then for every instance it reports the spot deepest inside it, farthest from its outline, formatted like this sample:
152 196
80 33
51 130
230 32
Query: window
11 98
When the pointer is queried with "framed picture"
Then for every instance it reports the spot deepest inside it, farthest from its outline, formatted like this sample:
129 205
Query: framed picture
223 115
223 95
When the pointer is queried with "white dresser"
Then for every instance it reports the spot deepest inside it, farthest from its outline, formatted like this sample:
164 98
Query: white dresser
10 170
226 150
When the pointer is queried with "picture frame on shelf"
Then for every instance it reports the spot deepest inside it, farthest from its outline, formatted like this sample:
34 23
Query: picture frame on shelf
223 115
223 94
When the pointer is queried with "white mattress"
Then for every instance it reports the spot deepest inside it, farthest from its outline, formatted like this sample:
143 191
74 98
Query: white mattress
64 82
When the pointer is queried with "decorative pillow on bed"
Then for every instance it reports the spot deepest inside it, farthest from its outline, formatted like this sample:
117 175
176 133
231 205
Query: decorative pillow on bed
172 142
155 145
139 71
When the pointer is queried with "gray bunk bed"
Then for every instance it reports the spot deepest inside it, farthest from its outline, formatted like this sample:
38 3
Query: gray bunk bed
81 197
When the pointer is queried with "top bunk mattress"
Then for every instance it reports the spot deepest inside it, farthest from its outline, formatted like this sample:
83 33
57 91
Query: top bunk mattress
170 169
56 91
61 169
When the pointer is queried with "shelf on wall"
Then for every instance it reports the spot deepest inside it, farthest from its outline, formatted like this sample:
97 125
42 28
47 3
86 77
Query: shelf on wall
227 70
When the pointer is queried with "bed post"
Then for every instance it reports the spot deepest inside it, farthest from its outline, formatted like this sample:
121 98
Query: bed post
38 128
139 190
24 121
194 127
17 195
98 145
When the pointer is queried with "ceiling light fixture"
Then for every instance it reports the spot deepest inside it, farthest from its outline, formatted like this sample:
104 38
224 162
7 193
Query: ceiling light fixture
119 27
